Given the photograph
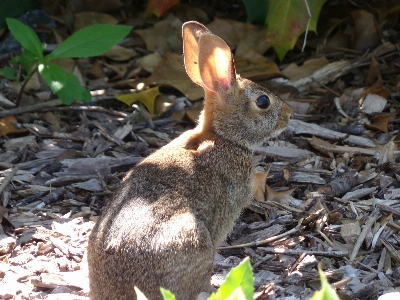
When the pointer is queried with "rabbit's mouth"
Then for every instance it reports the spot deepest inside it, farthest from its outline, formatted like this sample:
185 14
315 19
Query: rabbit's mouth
277 132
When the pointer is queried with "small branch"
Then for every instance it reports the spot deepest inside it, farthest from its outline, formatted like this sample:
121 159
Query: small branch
371 220
266 241
308 26
31 108
98 109
19 97
7 180
306 252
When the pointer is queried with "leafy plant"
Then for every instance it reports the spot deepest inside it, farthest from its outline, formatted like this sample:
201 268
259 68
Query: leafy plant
238 285
326 292
287 20
89 41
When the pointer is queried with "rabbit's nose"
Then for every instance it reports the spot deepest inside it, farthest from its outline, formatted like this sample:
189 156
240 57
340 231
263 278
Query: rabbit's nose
291 114
287 110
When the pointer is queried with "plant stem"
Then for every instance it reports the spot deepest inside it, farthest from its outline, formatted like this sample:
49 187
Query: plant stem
23 86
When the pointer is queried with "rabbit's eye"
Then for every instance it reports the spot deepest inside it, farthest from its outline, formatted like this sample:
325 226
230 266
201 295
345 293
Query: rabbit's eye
263 102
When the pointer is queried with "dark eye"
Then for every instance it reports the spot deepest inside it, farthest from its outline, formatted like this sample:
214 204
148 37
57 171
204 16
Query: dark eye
263 102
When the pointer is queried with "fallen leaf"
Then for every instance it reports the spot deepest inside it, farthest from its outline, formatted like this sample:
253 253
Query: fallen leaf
260 180
120 69
147 97
9 125
373 72
172 63
378 89
380 122
264 193
338 40
119 53
159 7
241 36
164 36
255 66
287 20
366 34
150 61
87 18
309 67
96 70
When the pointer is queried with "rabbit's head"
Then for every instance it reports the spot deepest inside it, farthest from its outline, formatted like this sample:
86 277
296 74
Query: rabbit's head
235 108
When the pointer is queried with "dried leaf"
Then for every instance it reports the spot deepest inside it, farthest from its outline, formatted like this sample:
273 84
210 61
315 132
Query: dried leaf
164 36
147 97
309 67
380 122
264 193
119 53
255 66
173 64
9 125
149 62
366 34
87 18
159 7
260 180
241 36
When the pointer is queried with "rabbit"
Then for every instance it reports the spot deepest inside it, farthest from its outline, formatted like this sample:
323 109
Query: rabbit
172 211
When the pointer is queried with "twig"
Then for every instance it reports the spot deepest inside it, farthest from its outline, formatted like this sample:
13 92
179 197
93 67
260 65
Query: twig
107 134
52 197
308 25
7 179
306 252
326 87
339 108
371 220
31 108
266 241
388 209
21 91
88 108
391 249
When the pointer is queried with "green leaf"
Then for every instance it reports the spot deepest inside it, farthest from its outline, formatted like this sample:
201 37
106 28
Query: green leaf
73 91
326 292
64 84
15 60
90 41
239 281
26 37
27 60
8 73
167 295
287 20
256 10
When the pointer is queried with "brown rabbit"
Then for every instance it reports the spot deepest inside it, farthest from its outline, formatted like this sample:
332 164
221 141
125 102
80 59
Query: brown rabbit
173 210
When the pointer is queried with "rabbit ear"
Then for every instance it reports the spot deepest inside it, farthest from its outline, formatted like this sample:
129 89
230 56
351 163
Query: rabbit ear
191 32
217 69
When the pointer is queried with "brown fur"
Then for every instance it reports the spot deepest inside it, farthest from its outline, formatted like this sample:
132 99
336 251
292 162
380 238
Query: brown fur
174 209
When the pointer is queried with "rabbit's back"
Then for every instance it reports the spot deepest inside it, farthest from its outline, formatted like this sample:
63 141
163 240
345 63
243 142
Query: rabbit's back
169 215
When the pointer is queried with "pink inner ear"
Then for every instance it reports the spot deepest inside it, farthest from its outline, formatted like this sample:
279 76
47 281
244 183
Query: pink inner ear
222 68
215 62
